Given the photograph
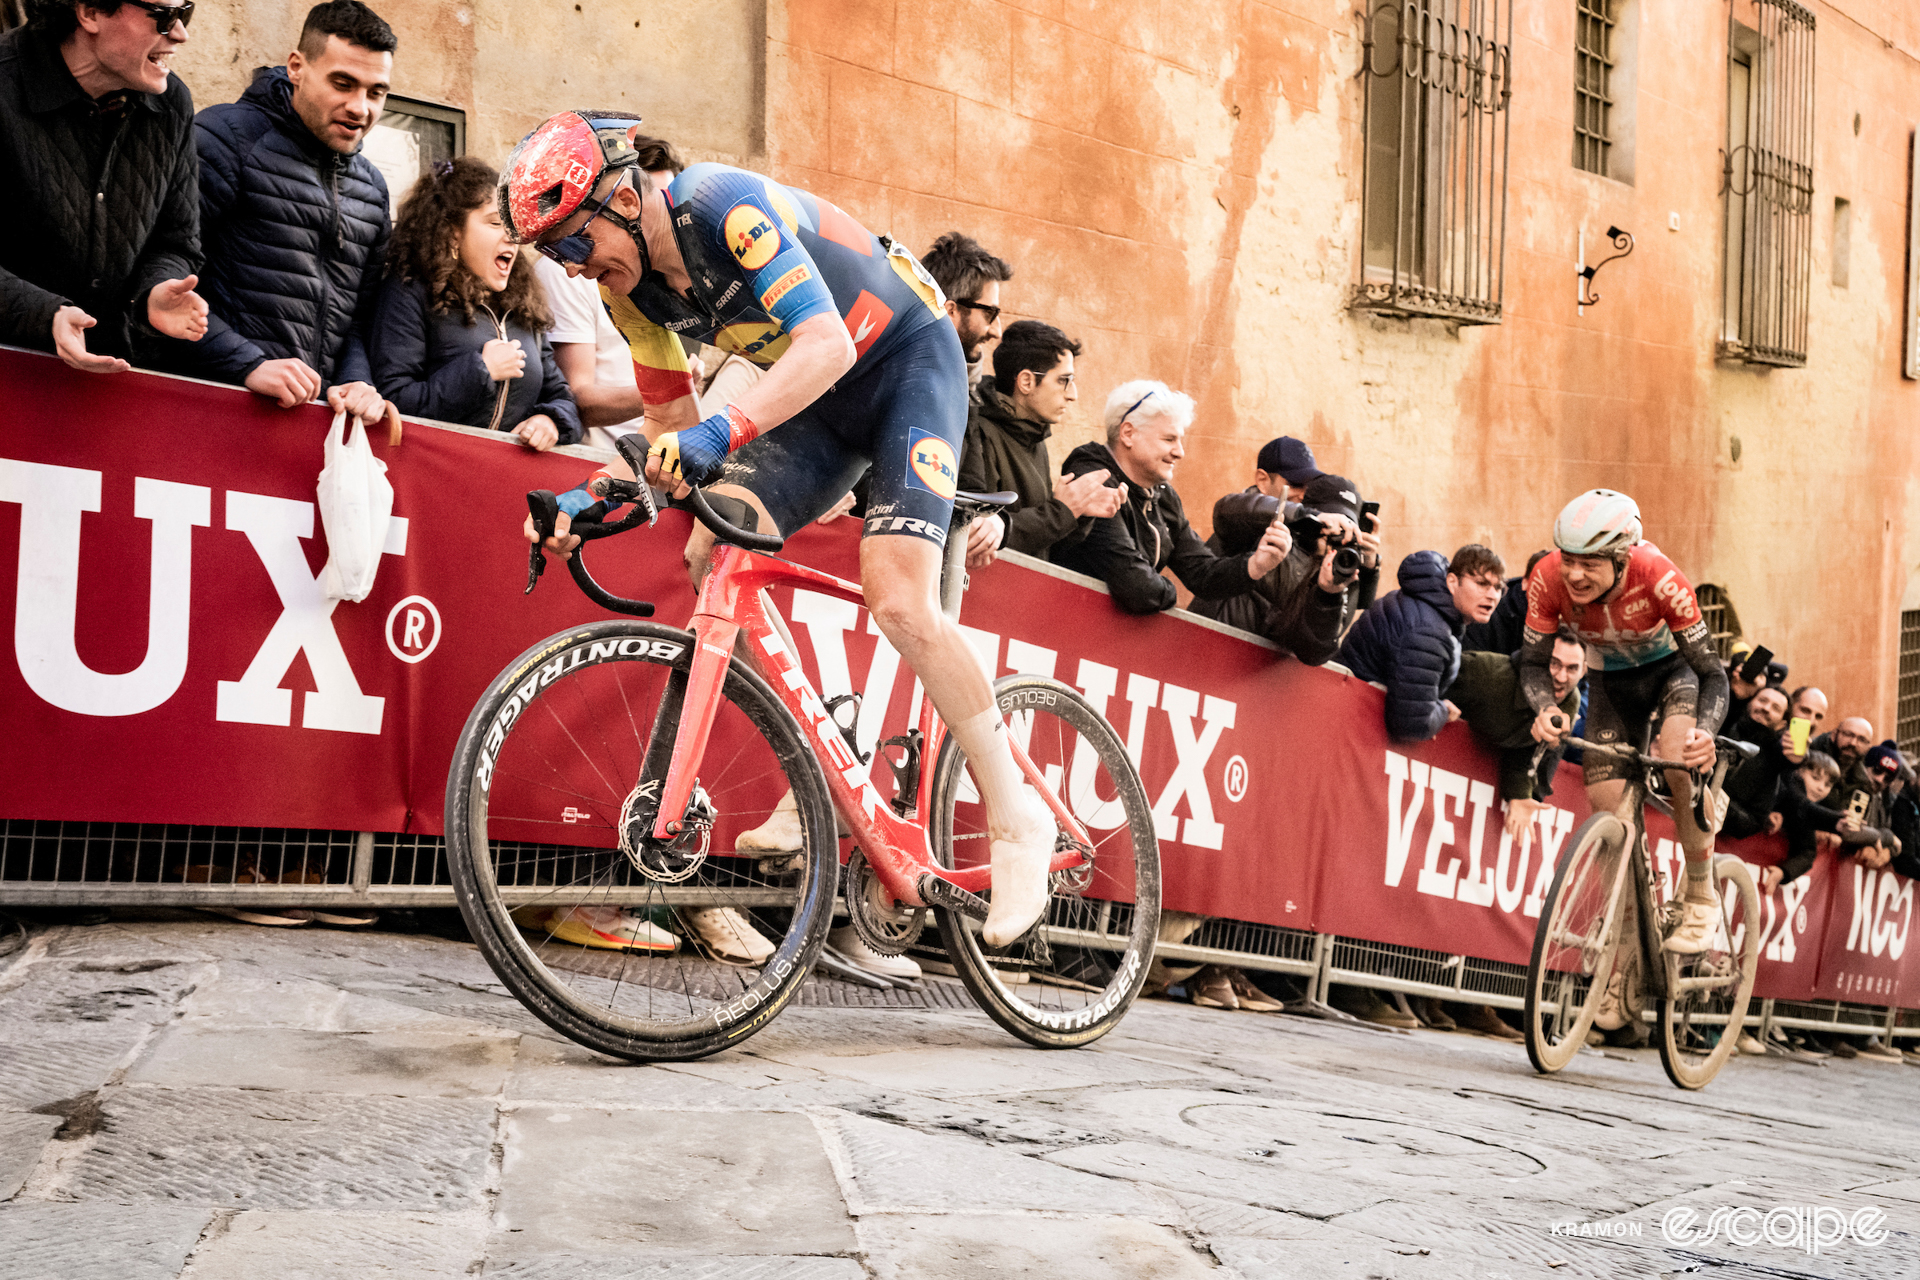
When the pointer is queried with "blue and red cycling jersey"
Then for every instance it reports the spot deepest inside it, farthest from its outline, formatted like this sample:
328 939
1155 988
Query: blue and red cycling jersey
763 259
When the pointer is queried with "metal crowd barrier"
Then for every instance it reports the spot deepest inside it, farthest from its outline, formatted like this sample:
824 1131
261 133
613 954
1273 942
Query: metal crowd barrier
105 864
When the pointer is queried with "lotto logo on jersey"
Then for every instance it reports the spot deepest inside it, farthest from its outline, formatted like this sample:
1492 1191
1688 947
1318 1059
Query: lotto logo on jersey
751 238
1674 590
931 464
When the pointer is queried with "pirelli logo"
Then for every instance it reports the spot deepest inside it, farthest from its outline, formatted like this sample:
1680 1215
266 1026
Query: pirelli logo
783 286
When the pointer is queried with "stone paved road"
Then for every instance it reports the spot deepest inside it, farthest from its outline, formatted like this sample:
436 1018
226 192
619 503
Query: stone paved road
198 1099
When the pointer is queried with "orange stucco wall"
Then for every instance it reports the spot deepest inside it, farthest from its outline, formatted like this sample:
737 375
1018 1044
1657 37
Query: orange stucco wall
1177 185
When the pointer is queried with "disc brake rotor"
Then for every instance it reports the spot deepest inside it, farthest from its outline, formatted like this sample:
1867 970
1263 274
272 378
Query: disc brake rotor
665 861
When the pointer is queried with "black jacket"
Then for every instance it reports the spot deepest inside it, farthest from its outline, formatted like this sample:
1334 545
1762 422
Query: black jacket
429 365
1409 640
296 237
104 203
1149 533
1287 606
1005 451
1490 699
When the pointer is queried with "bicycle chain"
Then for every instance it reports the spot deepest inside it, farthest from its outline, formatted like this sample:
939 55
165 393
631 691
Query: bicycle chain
888 928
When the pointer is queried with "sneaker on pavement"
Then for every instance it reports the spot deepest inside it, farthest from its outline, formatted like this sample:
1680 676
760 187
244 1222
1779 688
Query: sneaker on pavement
1612 1014
1365 1004
1878 1052
1429 1011
272 918
1844 1048
1211 988
849 944
1483 1019
1695 931
1252 998
1748 1045
607 929
726 935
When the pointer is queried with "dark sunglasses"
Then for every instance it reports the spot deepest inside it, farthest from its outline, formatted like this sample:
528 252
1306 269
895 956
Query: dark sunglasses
576 247
991 313
165 15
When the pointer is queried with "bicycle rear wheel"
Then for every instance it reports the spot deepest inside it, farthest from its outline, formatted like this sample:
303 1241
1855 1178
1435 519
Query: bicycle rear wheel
553 786
1577 943
1700 1025
1070 979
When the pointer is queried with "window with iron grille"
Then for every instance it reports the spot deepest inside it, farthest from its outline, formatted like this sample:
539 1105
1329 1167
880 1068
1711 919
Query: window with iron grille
1907 714
1723 622
1767 184
1438 88
1593 64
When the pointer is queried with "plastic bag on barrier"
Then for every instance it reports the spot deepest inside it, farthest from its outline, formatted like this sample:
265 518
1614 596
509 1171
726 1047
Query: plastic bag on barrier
356 501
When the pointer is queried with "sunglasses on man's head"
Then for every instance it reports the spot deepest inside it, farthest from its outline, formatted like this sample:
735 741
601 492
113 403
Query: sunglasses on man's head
165 15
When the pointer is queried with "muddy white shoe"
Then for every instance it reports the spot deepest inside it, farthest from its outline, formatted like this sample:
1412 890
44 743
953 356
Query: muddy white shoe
1612 1014
1748 1045
848 943
780 833
1019 877
1696 928
726 935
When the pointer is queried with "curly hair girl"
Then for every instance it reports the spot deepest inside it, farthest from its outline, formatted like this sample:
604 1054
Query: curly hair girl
433 231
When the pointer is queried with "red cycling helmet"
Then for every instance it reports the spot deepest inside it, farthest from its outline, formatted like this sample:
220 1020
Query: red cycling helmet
554 168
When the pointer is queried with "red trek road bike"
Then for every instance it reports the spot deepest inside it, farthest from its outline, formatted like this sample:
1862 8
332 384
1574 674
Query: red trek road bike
616 765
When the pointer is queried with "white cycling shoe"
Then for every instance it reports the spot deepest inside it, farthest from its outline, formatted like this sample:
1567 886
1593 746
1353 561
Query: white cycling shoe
1019 876
1695 932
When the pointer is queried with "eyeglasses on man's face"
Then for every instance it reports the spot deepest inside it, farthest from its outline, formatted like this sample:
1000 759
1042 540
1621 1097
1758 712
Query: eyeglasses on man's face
991 313
165 15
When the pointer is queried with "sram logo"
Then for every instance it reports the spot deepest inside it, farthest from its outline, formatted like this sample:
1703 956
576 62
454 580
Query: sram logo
1194 722
52 500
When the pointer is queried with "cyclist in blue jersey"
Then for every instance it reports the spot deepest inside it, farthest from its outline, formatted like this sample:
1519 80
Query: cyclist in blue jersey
862 371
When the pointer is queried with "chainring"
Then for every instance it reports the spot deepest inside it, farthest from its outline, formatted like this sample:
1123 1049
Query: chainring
886 926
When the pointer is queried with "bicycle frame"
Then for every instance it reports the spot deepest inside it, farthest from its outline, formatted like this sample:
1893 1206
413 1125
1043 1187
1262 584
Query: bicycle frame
732 603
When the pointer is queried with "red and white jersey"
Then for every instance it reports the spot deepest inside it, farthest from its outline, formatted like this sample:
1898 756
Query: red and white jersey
1639 622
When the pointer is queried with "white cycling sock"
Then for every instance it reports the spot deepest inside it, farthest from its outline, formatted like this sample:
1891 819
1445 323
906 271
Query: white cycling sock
1020 829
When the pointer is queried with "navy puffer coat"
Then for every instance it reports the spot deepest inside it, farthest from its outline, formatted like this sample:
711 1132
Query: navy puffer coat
296 241
1409 640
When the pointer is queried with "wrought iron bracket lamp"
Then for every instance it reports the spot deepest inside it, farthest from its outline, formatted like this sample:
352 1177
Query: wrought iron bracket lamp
1584 294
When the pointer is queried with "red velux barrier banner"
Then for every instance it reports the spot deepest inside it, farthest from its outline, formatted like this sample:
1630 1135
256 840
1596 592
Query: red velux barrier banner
172 660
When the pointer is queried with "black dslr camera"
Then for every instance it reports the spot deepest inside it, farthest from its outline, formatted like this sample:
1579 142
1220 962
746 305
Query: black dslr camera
1307 530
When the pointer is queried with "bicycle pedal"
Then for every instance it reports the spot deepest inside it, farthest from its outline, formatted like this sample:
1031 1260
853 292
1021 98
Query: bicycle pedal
945 894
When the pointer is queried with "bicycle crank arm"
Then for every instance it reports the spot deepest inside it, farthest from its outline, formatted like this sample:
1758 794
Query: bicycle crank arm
936 892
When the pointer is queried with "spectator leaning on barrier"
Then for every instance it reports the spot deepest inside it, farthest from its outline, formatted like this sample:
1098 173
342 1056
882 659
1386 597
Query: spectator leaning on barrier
1488 696
102 231
1501 632
1008 425
1409 640
1146 434
1848 745
1805 815
295 219
970 277
460 330
589 351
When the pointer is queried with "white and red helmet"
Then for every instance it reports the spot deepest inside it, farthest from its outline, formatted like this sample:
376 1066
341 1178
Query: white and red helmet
1600 522
556 167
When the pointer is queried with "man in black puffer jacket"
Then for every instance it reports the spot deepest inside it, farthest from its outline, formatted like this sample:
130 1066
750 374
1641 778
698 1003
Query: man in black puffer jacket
1146 437
99 234
295 219
1409 640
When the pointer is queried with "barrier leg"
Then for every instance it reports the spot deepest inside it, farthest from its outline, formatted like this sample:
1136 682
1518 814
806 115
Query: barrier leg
362 862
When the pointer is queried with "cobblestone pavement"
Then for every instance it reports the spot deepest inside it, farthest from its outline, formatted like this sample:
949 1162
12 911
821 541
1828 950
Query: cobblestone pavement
199 1099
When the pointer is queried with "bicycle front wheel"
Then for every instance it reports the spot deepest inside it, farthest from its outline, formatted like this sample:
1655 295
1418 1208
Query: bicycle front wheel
1070 979
1577 943
637 950
1707 994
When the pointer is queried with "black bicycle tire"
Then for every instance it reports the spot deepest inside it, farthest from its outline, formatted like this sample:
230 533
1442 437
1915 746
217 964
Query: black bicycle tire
490 930
1726 1049
962 946
1533 1010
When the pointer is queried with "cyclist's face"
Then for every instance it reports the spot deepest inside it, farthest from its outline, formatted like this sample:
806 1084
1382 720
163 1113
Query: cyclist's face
1587 578
615 260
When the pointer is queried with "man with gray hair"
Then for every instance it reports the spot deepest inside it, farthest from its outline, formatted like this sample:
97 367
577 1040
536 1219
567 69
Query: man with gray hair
1146 438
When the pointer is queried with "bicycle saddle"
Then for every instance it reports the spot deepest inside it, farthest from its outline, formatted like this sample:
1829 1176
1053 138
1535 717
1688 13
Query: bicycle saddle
985 501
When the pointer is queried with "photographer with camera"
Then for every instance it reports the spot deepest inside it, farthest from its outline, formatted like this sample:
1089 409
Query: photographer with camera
1409 640
1146 438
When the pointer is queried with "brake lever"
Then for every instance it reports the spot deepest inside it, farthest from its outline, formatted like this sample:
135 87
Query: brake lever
545 510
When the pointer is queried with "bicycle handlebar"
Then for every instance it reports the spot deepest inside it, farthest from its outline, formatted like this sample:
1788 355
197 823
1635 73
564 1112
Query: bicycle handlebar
1724 746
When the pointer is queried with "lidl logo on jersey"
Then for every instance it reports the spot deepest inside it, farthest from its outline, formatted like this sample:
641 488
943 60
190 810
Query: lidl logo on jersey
750 236
931 465
760 343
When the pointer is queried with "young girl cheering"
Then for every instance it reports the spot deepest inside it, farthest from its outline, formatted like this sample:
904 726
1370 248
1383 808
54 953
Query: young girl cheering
460 330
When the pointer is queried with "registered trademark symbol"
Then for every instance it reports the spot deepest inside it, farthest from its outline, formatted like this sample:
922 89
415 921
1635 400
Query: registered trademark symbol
413 629
1235 779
